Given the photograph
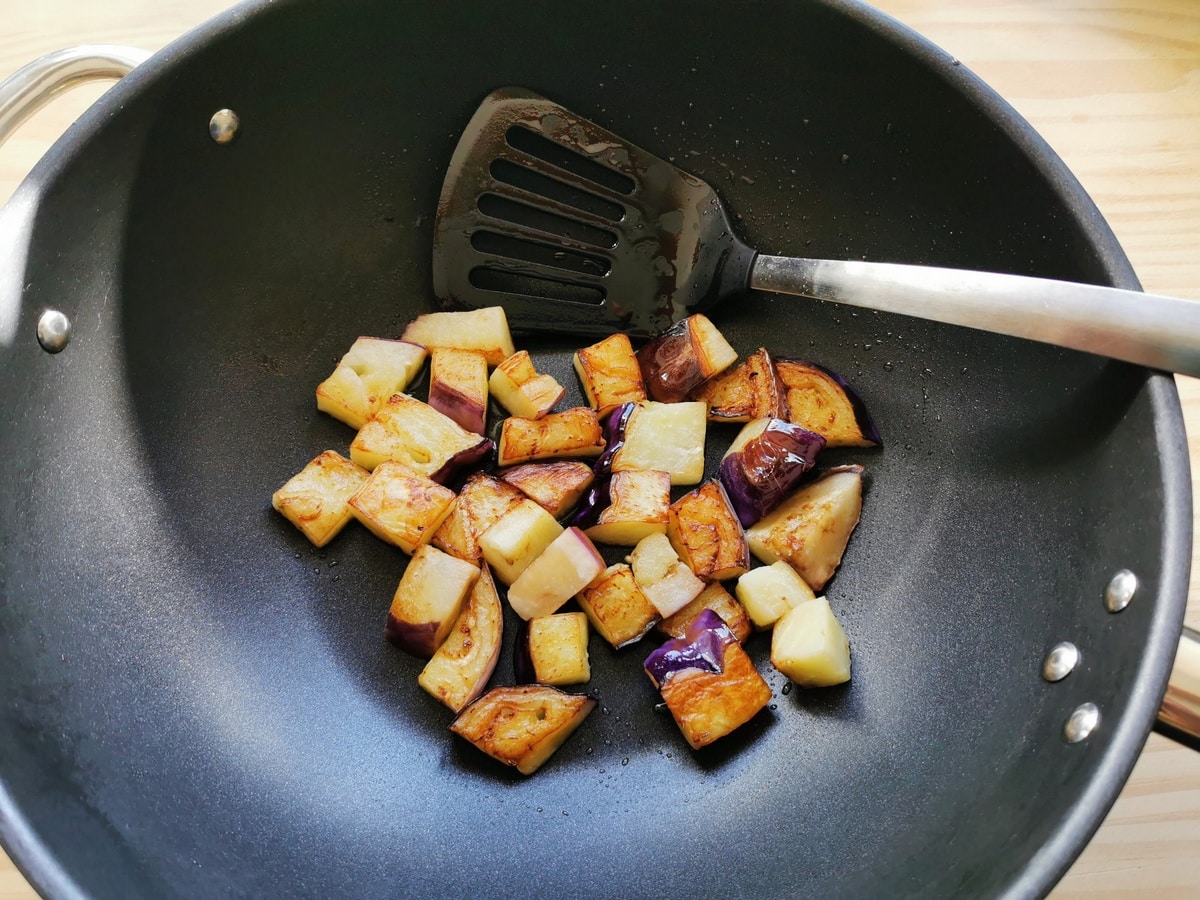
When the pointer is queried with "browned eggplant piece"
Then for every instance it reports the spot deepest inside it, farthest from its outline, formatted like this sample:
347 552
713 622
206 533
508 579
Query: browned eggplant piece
609 374
316 499
555 486
459 670
416 434
616 606
683 357
428 600
458 386
811 528
401 506
821 400
706 533
708 681
571 433
750 390
522 726
520 389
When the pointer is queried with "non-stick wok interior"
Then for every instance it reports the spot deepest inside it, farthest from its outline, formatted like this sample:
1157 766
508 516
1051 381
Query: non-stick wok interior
197 702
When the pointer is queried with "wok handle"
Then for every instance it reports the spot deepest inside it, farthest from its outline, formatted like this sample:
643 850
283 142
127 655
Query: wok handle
1180 711
33 86
1147 329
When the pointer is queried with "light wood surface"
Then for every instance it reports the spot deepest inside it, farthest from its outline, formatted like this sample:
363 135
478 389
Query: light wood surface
1113 85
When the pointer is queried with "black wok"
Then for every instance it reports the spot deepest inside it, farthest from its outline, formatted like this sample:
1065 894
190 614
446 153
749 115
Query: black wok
199 704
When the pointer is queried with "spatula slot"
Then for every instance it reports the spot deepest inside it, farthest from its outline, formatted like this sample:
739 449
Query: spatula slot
569 160
531 217
504 281
490 243
528 180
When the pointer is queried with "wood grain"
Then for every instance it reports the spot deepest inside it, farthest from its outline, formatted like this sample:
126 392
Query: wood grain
1113 85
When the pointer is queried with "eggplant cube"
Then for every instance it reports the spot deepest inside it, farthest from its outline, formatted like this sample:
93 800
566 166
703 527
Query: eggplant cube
414 433
663 577
768 592
401 506
558 649
519 388
568 565
517 538
459 670
481 502
708 681
371 371
706 533
428 600
750 390
616 606
555 486
683 357
609 373
764 462
811 528
715 598
709 705
458 386
810 647
485 330
823 401
522 726
316 499
668 437
639 505
571 433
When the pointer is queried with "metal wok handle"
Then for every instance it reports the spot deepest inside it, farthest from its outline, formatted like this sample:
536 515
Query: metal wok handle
1180 710
21 95
1147 329
33 86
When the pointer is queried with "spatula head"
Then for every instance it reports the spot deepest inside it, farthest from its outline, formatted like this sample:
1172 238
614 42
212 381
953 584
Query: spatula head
572 229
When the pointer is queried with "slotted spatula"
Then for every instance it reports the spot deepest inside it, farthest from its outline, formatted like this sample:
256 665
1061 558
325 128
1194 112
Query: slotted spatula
572 229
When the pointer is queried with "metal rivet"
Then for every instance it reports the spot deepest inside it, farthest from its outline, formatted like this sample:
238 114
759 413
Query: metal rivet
223 126
1120 591
1060 661
1081 723
53 331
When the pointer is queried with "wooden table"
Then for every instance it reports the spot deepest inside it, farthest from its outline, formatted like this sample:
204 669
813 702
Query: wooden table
1113 85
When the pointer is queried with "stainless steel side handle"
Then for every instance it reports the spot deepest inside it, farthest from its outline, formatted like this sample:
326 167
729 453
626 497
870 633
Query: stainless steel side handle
33 86
1181 706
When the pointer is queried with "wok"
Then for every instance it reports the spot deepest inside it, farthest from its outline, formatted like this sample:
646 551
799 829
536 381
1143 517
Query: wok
192 708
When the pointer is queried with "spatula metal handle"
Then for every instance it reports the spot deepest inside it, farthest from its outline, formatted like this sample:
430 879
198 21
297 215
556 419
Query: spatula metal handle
1148 329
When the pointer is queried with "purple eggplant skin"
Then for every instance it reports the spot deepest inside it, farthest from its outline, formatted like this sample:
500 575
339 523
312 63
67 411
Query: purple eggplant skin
669 366
415 639
523 669
595 500
613 428
461 463
598 497
865 423
702 647
760 475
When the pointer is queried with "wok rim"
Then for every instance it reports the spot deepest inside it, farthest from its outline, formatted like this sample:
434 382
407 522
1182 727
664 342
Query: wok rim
1045 867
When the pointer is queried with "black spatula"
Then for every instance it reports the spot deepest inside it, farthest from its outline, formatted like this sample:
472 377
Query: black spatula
572 229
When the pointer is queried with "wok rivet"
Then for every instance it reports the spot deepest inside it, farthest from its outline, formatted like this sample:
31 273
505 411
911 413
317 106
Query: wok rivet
1060 661
1120 591
223 126
1081 723
53 331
